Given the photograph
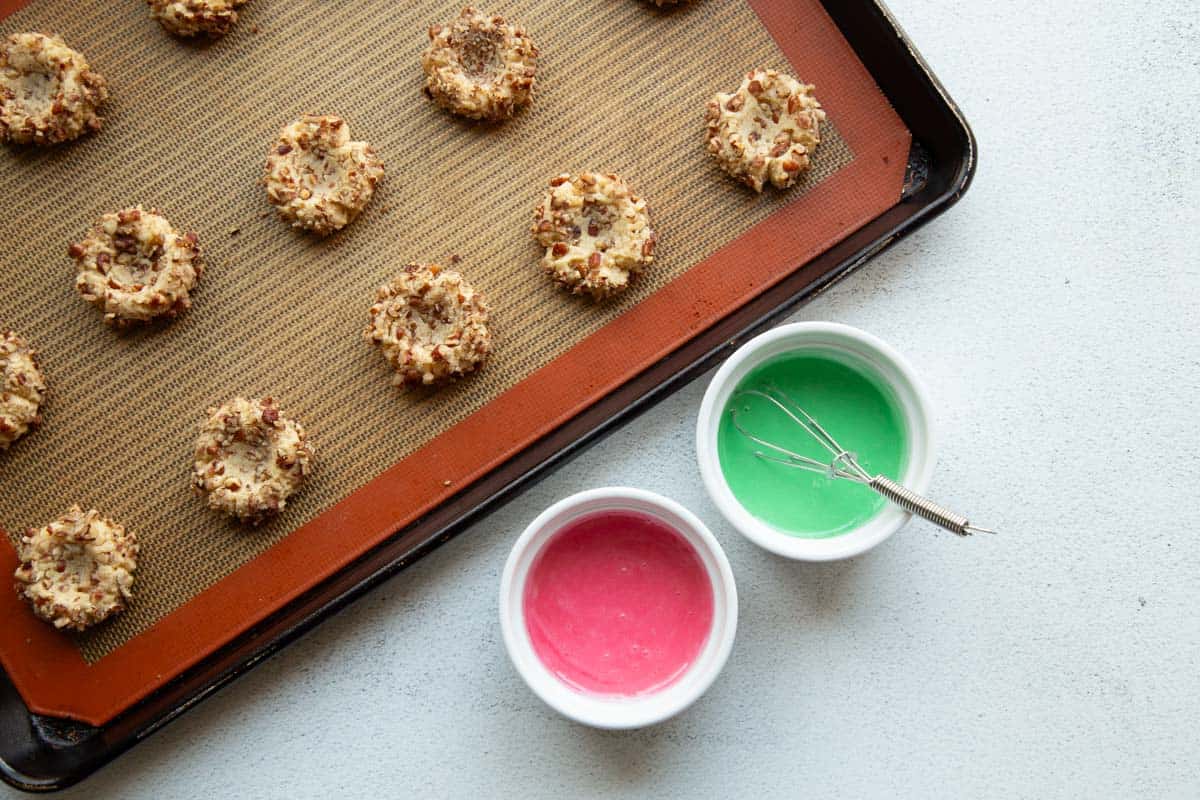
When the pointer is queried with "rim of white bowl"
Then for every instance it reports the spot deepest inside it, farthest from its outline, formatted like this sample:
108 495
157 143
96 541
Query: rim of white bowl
888 365
605 711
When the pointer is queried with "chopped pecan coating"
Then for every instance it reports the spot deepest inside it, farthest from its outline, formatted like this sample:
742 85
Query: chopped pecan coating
480 66
78 570
22 389
317 178
430 324
596 232
136 268
48 93
766 131
194 17
249 459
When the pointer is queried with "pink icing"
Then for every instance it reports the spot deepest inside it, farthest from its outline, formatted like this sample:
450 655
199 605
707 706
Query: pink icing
618 603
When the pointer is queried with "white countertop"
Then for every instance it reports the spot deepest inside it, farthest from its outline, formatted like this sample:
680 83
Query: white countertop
1054 314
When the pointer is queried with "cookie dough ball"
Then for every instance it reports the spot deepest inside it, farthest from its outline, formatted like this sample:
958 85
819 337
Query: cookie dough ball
250 459
430 324
766 131
78 570
317 178
135 267
596 232
48 94
22 389
193 17
480 66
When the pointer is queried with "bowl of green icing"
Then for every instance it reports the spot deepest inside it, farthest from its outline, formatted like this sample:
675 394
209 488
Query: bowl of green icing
861 391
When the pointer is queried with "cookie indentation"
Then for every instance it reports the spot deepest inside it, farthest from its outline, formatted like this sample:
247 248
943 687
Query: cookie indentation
430 324
135 267
48 93
78 570
249 459
766 131
480 66
596 232
317 177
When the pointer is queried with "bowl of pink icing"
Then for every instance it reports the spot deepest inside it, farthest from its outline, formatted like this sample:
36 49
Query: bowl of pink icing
618 607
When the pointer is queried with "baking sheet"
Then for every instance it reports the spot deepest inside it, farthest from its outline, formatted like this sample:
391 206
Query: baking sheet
622 88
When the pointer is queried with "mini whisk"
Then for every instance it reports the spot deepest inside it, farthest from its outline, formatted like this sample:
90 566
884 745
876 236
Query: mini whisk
844 464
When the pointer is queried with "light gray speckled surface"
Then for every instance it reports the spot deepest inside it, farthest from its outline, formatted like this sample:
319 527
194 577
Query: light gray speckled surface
1053 314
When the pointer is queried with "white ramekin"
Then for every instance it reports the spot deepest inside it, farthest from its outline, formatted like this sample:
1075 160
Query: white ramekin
832 338
617 712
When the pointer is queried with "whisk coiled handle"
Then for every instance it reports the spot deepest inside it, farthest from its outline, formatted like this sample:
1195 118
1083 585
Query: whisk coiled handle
914 503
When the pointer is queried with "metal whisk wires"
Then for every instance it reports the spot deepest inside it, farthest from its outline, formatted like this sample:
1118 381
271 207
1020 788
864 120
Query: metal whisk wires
843 463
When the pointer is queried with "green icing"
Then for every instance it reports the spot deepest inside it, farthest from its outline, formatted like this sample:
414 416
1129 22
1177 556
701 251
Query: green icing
852 403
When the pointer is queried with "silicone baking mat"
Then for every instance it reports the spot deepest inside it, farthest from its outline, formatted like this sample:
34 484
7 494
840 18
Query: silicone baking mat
622 88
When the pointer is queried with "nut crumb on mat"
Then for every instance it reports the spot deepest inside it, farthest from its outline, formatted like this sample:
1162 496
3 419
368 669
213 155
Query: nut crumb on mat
135 267
480 66
596 232
194 17
48 93
22 389
430 324
765 131
78 570
318 178
249 459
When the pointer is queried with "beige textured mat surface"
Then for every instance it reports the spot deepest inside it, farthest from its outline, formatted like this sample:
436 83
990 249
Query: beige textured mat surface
281 313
